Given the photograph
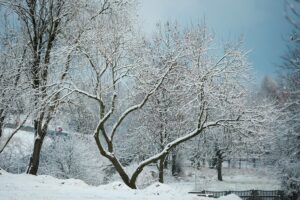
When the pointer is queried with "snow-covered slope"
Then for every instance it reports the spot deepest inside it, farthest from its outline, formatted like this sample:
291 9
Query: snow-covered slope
28 187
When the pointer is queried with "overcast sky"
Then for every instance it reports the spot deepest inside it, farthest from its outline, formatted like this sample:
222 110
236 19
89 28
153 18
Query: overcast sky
260 22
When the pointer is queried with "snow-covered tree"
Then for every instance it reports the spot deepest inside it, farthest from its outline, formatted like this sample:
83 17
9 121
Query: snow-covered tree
11 58
123 67
165 117
289 125
242 141
52 30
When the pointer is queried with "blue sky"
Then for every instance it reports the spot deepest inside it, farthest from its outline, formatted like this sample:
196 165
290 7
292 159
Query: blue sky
261 23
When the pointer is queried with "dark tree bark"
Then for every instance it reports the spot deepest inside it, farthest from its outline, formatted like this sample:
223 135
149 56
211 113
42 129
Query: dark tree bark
35 157
219 170
173 163
2 117
162 163
218 162
176 168
254 163
166 163
40 133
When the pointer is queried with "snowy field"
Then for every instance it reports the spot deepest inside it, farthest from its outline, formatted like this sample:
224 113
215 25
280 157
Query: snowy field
28 187
236 179
25 187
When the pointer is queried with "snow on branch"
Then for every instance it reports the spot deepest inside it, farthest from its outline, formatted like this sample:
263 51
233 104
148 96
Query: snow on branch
140 105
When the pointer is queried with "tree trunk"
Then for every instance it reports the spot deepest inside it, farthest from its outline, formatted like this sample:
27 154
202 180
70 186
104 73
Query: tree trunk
1 124
166 163
138 170
203 162
219 170
122 173
219 161
254 163
175 168
116 163
37 147
161 169
35 157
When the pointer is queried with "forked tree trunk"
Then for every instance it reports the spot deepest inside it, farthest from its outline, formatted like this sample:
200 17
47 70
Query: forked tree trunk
137 172
139 169
109 154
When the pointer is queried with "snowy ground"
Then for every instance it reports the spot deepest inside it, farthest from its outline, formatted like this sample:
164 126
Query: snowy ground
233 179
46 187
28 187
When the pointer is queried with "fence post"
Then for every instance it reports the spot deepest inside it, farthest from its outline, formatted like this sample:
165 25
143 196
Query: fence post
280 194
254 195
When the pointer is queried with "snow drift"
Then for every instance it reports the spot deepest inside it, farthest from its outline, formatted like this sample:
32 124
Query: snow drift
28 187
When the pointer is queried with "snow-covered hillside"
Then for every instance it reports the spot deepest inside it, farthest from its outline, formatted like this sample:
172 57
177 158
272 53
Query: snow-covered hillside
28 187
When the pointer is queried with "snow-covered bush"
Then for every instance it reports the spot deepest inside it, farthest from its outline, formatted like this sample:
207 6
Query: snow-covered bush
14 158
74 156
